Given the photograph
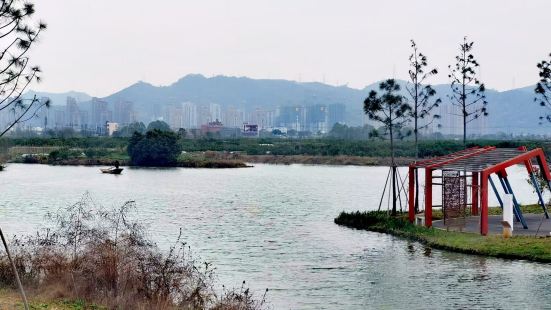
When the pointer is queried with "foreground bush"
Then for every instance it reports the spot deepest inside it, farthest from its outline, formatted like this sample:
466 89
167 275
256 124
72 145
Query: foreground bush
105 257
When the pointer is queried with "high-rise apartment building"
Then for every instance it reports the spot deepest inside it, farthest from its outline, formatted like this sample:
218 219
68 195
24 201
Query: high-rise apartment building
189 115
59 118
124 112
263 118
72 114
215 112
291 117
100 115
203 114
233 118
174 116
336 114
317 118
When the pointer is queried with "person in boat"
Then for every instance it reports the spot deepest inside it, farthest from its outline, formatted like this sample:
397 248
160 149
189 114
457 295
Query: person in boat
117 164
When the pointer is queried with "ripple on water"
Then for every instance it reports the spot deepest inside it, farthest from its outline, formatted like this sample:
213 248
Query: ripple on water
273 227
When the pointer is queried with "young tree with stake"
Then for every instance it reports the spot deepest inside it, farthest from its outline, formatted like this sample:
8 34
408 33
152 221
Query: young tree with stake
467 90
392 110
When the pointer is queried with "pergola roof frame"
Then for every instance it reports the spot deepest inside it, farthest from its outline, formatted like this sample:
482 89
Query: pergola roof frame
481 162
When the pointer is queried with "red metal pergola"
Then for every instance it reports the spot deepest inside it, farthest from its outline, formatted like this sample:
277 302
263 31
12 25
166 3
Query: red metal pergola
480 163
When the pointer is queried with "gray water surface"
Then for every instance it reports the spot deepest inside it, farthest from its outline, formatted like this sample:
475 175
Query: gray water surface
273 227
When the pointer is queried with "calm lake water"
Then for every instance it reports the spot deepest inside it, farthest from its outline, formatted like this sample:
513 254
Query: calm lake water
273 227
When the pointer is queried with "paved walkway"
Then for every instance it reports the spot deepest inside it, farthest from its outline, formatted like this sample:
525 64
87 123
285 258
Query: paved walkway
494 225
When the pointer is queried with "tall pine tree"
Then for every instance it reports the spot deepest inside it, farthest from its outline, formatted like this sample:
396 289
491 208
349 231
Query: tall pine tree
467 90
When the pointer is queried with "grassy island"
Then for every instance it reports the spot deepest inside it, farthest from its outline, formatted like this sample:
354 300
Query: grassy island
518 247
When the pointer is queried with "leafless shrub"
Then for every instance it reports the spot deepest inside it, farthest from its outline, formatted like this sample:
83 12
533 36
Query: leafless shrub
239 300
104 256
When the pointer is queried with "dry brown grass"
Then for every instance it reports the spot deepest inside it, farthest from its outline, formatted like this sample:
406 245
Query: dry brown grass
320 160
104 257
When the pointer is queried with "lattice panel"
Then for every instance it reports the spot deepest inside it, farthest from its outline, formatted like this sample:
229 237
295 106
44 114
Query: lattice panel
454 198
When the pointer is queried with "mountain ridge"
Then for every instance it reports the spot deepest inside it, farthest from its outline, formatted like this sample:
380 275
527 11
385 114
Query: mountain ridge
509 111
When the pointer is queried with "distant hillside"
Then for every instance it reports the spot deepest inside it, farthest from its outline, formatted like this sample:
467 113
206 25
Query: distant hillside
243 93
510 111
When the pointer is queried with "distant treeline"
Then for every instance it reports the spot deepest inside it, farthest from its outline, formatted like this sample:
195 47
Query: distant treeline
277 146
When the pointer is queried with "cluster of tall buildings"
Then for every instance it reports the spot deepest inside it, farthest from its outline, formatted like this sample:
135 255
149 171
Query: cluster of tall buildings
94 116
189 115
317 118
91 118
449 123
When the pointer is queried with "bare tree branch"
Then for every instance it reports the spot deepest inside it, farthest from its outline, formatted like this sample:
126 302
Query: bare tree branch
18 33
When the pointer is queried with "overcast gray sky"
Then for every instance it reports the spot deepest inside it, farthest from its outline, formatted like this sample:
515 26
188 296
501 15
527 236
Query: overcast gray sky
101 46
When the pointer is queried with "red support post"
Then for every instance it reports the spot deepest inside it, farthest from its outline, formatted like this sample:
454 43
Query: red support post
428 197
484 203
411 197
474 194
527 163
543 166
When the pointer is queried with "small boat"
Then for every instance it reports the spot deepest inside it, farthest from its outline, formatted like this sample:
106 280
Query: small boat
112 170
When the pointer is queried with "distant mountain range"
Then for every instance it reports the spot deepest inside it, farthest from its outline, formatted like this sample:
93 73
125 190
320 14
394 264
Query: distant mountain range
512 111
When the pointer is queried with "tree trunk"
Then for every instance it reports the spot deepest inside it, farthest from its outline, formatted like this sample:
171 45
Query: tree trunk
464 130
464 102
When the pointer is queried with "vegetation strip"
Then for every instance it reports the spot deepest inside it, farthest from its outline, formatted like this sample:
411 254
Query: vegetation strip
230 153
536 249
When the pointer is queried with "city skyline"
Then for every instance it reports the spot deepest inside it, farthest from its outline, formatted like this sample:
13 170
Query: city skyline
93 116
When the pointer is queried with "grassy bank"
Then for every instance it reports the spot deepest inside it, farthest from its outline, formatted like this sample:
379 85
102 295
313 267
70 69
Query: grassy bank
517 247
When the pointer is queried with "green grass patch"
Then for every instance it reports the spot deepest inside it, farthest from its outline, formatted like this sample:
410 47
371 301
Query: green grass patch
62 305
517 247
10 299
